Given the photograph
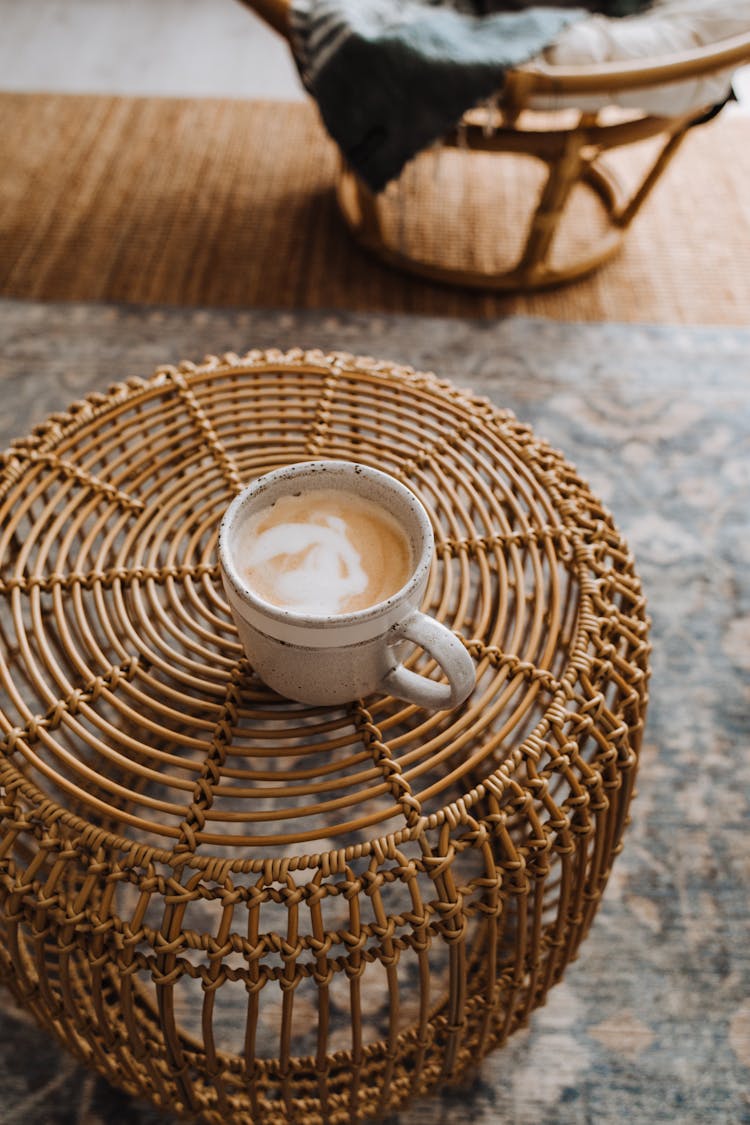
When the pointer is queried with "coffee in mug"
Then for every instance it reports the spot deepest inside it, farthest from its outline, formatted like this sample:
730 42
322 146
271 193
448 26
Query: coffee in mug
325 564
323 551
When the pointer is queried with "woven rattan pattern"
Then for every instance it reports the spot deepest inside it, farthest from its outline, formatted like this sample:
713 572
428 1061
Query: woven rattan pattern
252 910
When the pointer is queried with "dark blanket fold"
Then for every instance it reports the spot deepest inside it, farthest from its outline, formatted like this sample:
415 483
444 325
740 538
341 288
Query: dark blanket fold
392 76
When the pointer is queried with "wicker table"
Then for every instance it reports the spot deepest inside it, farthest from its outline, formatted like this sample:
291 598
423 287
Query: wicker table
251 910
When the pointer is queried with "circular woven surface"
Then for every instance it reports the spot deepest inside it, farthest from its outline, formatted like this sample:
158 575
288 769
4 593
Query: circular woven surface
234 904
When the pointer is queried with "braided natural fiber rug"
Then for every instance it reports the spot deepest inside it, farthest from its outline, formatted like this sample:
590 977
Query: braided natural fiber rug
653 1022
230 203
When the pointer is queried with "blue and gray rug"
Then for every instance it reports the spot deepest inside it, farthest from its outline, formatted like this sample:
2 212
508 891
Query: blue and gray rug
652 1024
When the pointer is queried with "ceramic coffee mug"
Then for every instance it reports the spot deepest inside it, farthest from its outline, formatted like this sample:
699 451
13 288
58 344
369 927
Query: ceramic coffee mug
338 657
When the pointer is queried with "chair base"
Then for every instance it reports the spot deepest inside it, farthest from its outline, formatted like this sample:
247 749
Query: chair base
514 206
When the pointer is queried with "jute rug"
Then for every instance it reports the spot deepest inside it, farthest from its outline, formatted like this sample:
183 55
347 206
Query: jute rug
652 1023
230 203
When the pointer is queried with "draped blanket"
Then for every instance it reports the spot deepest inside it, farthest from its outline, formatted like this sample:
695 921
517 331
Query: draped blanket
392 76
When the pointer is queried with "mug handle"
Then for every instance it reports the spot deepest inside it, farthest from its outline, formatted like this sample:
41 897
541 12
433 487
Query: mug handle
450 654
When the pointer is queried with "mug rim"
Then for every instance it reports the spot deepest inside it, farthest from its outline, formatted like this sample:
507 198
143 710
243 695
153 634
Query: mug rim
294 618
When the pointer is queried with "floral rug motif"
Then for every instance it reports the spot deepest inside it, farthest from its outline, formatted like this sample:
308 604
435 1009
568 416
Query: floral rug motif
652 1023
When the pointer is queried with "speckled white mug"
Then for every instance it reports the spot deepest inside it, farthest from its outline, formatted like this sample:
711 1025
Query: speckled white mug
337 658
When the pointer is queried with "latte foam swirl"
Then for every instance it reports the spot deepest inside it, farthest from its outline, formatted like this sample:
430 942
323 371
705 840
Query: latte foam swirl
324 552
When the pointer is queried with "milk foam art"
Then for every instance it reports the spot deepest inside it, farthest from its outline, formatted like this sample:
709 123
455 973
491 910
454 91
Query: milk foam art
329 571
324 553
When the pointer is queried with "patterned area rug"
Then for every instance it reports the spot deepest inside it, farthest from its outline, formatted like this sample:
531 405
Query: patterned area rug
653 1021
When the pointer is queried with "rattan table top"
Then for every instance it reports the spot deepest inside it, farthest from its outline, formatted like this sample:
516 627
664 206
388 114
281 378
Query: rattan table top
129 713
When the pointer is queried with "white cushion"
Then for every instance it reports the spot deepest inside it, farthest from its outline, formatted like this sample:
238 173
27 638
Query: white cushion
669 27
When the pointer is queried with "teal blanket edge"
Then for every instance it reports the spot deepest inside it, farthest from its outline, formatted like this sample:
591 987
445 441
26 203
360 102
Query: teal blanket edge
391 77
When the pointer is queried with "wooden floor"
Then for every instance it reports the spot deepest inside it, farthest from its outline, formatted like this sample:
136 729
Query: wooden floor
230 203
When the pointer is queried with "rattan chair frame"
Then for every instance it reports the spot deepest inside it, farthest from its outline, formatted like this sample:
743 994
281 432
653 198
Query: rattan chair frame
246 909
572 155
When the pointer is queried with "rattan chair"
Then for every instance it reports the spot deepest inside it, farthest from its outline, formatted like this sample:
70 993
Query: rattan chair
527 191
